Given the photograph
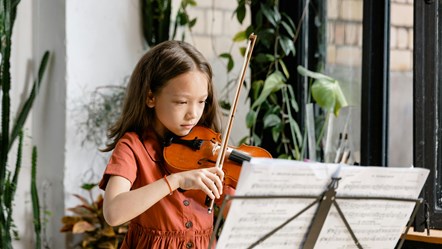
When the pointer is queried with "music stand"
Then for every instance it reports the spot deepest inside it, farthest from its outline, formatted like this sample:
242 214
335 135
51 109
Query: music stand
324 201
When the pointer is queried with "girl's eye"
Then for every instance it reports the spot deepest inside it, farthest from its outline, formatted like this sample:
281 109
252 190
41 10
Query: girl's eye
181 102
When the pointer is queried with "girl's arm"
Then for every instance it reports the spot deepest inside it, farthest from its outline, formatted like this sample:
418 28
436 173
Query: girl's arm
122 204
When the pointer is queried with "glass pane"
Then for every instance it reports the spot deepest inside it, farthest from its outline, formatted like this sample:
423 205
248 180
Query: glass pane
400 150
344 54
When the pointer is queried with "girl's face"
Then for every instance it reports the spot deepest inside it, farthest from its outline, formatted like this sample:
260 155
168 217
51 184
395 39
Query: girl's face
180 104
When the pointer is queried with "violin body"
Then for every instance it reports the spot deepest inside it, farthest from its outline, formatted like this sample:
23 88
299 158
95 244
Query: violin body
199 149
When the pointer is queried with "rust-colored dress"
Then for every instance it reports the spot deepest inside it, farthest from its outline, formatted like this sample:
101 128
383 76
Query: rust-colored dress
179 220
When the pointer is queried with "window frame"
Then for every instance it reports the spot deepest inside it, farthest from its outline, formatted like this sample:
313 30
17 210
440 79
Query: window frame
375 82
426 123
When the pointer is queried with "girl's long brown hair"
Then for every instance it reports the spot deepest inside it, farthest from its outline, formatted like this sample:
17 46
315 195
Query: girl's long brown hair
160 64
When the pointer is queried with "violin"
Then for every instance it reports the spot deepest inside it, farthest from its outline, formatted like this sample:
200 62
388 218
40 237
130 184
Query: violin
200 149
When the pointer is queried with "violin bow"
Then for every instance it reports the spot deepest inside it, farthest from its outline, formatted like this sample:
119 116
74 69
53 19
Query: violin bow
226 133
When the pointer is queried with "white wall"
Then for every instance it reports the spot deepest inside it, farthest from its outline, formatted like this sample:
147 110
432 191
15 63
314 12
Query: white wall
103 42
93 43
49 123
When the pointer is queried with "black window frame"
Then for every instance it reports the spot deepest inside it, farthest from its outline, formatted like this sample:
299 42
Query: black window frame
375 82
426 106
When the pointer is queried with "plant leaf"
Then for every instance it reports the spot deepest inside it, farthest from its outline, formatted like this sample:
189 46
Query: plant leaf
292 97
82 211
251 118
298 132
263 58
108 231
240 36
83 226
230 62
303 71
287 45
323 94
70 219
66 228
83 200
276 132
273 16
271 120
284 68
273 83
240 12
325 91
88 186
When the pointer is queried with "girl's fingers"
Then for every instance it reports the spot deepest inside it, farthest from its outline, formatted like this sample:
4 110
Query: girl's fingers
207 190
216 179
208 180
218 172
211 185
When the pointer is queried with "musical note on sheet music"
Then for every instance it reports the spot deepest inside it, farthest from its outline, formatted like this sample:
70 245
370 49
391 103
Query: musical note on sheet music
377 224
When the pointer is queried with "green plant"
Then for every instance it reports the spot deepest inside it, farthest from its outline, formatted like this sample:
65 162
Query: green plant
89 221
156 15
272 117
101 112
35 199
8 184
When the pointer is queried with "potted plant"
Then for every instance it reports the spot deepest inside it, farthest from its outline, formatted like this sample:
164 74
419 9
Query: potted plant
88 221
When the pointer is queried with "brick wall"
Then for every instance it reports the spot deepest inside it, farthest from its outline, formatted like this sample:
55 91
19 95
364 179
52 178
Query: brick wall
344 31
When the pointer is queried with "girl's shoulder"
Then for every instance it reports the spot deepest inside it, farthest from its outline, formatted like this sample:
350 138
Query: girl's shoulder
147 143
130 138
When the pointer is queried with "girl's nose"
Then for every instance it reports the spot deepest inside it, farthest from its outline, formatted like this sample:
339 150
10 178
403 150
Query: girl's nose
192 111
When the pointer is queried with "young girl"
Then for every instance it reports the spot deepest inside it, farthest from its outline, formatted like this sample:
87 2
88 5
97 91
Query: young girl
170 91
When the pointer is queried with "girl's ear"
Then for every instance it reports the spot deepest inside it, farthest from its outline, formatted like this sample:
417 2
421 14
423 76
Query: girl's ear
150 101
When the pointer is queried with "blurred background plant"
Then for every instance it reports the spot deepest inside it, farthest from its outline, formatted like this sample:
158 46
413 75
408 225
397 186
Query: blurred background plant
101 111
88 221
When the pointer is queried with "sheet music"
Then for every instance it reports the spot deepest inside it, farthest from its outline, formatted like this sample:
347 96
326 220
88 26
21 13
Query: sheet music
376 223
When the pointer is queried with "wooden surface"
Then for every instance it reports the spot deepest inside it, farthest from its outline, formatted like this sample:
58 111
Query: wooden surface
435 236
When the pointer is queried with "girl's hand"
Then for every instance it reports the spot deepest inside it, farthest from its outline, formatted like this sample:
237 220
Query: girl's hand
208 180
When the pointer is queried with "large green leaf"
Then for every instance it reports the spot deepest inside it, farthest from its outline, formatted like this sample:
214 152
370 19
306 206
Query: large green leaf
273 83
326 91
